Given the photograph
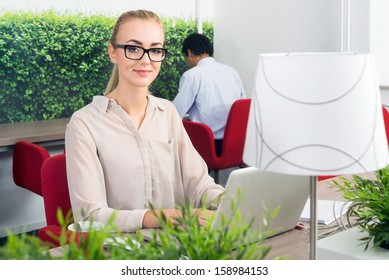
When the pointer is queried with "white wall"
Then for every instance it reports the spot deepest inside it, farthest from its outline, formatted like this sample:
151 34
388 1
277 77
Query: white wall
246 28
379 38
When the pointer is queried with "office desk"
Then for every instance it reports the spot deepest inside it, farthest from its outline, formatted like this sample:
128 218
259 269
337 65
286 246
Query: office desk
36 131
346 245
295 244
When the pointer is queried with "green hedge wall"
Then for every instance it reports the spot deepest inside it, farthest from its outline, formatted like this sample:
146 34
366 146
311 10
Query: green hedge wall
53 64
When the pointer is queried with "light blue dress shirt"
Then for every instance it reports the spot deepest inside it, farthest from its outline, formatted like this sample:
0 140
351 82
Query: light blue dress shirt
206 93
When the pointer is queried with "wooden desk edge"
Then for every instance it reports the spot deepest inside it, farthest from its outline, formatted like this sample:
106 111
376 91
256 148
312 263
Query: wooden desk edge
35 131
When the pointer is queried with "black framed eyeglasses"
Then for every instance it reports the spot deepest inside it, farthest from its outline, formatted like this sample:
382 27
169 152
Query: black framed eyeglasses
136 52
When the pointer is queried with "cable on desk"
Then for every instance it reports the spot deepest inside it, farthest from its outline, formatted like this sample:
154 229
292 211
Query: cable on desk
339 224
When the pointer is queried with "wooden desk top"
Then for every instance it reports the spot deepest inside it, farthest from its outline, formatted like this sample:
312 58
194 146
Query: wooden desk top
36 131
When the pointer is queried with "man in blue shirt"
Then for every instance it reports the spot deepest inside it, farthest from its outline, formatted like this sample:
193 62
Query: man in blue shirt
208 89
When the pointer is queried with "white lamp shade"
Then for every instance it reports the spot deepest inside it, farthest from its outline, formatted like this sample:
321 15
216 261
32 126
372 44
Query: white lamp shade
316 114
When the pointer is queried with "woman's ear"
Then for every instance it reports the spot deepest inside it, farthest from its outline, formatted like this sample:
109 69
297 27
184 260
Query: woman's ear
112 54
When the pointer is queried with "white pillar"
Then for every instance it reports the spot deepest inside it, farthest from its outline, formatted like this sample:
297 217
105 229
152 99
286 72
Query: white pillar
199 16
345 26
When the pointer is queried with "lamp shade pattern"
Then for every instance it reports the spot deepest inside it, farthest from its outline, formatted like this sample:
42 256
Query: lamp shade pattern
316 114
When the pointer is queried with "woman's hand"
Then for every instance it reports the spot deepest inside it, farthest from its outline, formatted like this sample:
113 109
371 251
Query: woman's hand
205 216
150 220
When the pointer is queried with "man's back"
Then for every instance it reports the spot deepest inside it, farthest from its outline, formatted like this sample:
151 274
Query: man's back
206 93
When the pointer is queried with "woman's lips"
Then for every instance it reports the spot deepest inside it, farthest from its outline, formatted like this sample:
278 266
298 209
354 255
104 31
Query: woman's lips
143 73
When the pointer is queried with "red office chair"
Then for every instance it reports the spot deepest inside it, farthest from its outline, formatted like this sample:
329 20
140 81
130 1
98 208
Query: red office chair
233 142
26 167
325 177
386 122
55 196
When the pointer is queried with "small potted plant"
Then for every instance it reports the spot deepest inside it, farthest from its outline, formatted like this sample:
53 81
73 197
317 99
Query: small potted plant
369 198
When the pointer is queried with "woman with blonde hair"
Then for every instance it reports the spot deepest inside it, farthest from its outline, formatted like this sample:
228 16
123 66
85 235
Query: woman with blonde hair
128 149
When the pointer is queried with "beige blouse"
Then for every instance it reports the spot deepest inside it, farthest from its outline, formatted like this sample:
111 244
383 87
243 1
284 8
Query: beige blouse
114 167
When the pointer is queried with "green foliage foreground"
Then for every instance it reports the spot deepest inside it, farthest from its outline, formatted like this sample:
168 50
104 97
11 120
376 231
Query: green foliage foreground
183 239
369 205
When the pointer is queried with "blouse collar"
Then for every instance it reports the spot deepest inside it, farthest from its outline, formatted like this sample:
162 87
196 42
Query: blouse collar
103 103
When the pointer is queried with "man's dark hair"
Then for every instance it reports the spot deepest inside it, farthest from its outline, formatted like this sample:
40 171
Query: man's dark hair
198 44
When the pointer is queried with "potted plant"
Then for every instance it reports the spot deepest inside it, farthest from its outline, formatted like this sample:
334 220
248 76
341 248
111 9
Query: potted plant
369 198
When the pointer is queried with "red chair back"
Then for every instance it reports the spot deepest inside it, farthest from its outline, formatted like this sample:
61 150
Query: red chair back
235 132
202 139
55 188
27 163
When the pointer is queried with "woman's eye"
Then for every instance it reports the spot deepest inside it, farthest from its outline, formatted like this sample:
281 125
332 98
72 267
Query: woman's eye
156 51
133 49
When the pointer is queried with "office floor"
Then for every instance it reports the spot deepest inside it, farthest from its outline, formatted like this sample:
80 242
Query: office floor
223 175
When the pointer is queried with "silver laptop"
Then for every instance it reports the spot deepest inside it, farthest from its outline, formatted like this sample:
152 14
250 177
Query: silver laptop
258 193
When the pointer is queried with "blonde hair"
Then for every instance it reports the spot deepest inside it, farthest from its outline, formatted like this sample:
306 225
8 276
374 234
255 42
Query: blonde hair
126 16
